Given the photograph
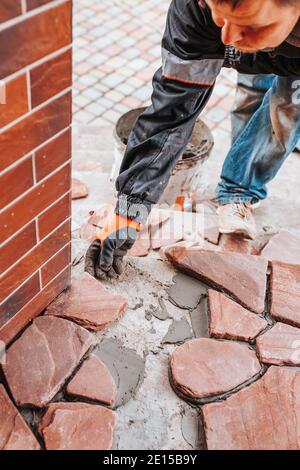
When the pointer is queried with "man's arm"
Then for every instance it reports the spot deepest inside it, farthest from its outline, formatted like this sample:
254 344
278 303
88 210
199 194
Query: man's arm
192 56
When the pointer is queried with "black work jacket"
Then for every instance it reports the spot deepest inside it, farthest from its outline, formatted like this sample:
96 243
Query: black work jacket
192 57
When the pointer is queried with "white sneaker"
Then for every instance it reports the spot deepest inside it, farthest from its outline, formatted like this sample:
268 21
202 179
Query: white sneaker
237 218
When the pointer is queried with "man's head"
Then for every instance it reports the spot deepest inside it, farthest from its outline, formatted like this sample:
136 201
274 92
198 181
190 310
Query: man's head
253 25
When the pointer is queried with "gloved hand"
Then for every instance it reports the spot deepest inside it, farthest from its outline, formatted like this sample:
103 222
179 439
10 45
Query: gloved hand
104 258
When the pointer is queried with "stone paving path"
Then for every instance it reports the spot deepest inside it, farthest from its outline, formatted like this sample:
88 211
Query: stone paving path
233 376
116 52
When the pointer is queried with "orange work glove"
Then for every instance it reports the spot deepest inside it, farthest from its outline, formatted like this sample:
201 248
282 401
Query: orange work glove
104 258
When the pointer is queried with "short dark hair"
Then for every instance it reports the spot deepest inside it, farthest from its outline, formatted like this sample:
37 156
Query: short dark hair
235 3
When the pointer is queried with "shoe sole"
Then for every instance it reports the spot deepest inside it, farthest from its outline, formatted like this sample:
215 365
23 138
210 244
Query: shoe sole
240 233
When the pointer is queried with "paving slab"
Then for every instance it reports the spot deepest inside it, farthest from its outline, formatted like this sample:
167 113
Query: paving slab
94 382
77 426
14 432
285 293
280 345
203 367
88 303
244 277
263 416
229 320
39 363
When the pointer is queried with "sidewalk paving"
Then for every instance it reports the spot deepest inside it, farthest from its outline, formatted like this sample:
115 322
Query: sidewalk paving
116 52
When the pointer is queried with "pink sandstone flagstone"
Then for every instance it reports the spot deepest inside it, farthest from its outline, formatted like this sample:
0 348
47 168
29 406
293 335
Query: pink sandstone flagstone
284 247
93 381
263 416
231 243
88 303
14 432
77 426
79 189
229 320
285 293
43 358
244 277
280 345
206 367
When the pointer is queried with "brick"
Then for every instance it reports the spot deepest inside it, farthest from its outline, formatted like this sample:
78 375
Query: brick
56 265
38 199
34 38
33 130
54 216
19 298
16 181
16 100
17 247
51 78
34 260
9 9
53 155
35 306
31 4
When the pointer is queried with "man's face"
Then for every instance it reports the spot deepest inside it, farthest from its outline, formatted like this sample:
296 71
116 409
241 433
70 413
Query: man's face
255 25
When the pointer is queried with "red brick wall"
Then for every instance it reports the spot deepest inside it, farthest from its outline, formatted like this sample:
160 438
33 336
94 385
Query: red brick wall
35 155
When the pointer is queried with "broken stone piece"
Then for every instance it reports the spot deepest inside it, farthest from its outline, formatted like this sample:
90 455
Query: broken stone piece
79 189
229 320
285 293
280 346
88 303
39 363
14 432
77 426
203 368
178 332
242 276
263 416
94 382
283 247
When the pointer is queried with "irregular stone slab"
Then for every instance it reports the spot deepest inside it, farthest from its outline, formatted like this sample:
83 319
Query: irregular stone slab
203 368
200 319
285 293
14 432
185 291
142 244
77 426
89 304
88 232
229 320
125 365
244 277
79 189
178 331
43 358
234 244
93 381
284 247
263 416
100 217
280 346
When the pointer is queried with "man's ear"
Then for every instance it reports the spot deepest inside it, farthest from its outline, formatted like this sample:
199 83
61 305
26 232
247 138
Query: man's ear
202 3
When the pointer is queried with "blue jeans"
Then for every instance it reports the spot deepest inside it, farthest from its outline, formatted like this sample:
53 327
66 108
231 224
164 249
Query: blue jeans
265 130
